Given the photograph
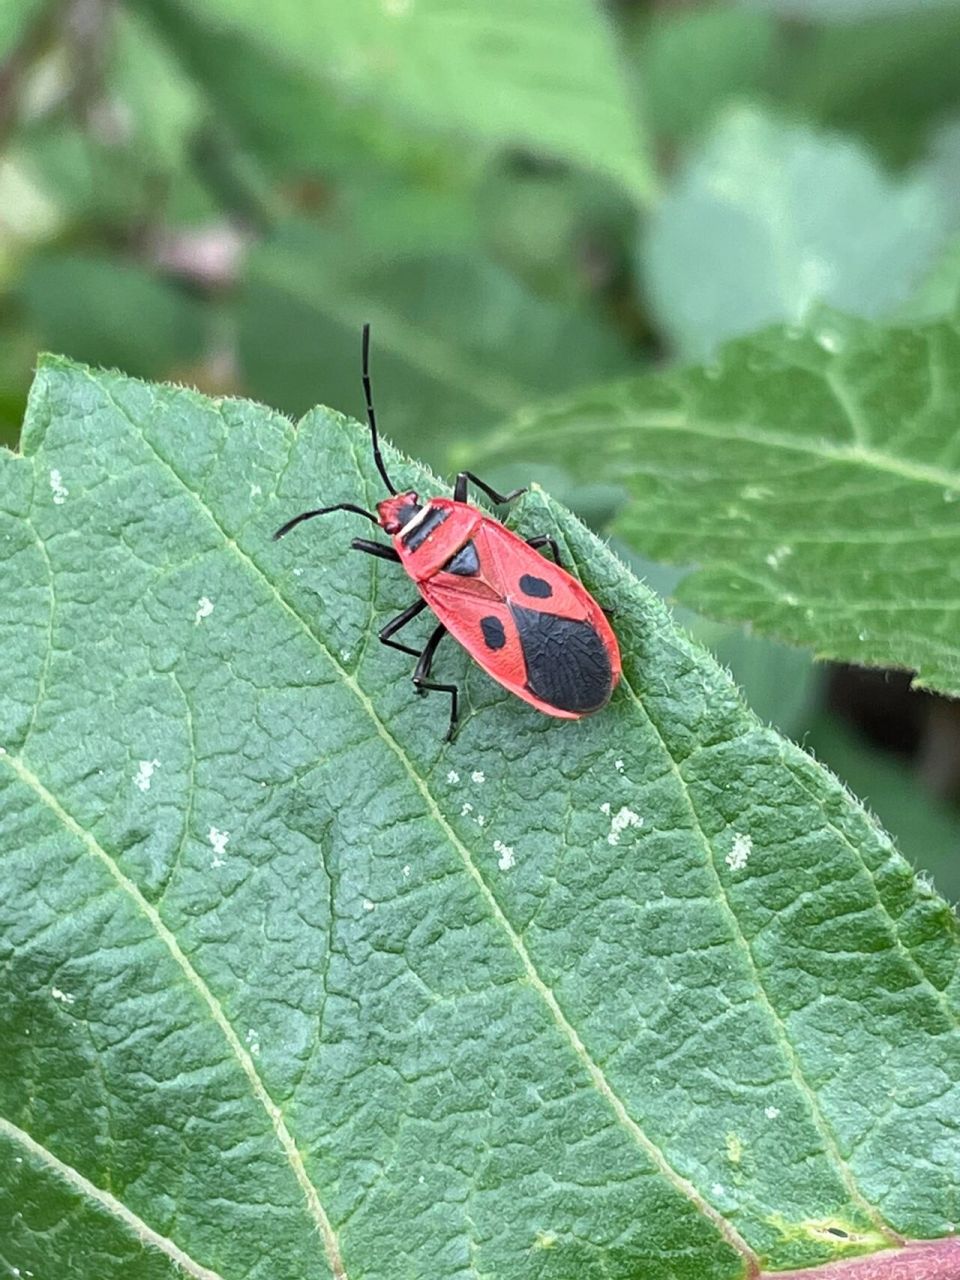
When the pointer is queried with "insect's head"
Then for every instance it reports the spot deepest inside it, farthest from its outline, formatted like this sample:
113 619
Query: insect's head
397 511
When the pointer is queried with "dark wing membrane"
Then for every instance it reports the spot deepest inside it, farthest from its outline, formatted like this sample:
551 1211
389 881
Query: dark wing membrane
567 663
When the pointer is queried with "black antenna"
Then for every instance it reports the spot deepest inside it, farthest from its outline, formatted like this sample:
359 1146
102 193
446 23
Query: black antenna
371 417
323 511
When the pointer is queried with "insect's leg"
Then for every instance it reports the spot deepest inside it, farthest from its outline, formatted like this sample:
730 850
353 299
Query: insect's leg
399 621
424 683
375 549
545 540
460 489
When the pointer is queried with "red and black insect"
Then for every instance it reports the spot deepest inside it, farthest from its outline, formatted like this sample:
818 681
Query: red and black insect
530 625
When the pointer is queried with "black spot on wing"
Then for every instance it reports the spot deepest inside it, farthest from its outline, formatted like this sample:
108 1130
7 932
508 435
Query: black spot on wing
494 636
539 588
466 562
567 663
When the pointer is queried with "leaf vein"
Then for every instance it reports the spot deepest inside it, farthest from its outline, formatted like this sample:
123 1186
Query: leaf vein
144 1233
794 1066
146 908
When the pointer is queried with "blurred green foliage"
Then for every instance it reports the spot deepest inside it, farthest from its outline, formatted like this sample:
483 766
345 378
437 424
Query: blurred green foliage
522 197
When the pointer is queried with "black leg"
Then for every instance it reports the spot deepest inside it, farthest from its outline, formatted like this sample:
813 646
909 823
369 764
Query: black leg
375 549
460 489
423 683
401 620
544 540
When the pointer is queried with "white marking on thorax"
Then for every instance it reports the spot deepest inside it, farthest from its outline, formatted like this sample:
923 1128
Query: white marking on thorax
415 521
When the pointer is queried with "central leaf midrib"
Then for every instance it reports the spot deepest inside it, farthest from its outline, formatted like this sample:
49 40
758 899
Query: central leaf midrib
724 1228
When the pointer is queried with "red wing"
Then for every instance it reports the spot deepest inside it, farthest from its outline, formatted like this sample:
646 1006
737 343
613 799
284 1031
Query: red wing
529 624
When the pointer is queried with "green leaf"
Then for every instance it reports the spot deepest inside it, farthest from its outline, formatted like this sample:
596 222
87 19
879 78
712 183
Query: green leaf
938 295
458 342
507 72
890 80
15 21
770 219
848 10
696 60
927 830
163 106
779 683
810 474
111 312
292 988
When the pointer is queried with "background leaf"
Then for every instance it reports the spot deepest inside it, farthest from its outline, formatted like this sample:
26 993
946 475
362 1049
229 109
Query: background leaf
510 71
290 950
771 219
724 464
695 61
439 325
847 10
126 316
928 833
884 79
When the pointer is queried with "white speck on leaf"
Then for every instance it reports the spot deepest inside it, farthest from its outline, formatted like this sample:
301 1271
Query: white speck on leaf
255 491
620 821
58 488
480 819
605 808
145 773
771 1113
717 1189
406 869
368 905
297 573
219 841
506 859
253 1040
778 555
204 610
467 808
63 996
618 765
453 777
830 341
740 852
478 776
